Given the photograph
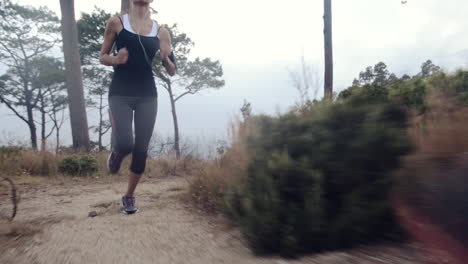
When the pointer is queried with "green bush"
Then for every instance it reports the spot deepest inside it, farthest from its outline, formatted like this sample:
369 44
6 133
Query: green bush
456 84
79 165
320 177
411 94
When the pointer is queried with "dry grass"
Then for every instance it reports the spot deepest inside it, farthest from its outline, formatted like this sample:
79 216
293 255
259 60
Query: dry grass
39 163
207 187
28 162
24 163
212 177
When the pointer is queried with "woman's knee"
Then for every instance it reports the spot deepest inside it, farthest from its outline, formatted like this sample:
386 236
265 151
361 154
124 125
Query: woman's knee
138 165
124 148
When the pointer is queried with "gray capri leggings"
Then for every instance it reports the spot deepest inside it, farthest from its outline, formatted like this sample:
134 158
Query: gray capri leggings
122 109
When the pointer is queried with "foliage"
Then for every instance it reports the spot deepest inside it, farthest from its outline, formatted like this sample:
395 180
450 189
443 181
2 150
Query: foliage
411 94
405 90
320 176
91 29
79 165
26 33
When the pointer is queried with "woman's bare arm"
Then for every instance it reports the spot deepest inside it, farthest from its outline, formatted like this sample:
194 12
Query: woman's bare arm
166 50
112 28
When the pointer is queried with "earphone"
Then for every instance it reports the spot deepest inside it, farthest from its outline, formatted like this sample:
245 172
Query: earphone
139 35
138 32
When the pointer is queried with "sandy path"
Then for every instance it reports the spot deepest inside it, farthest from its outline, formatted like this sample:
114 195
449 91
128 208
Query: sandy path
165 230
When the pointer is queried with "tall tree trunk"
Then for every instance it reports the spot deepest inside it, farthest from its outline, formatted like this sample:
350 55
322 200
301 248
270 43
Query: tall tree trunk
79 122
57 135
57 132
29 110
125 5
174 118
32 127
54 119
43 123
328 88
100 148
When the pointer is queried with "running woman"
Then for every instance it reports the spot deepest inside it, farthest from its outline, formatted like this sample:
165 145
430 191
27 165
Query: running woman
132 93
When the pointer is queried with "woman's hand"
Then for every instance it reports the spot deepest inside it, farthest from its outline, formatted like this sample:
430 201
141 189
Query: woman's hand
122 57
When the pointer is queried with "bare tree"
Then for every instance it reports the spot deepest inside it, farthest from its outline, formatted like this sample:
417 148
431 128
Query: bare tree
306 80
57 115
328 85
79 122
160 146
246 110
48 79
97 81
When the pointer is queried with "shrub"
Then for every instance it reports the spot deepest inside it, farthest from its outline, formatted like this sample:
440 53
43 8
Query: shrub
79 165
411 94
320 178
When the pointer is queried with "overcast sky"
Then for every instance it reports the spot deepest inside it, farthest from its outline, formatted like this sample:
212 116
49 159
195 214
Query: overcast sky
259 42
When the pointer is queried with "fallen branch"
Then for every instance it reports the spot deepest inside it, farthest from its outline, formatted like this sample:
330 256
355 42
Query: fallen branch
14 199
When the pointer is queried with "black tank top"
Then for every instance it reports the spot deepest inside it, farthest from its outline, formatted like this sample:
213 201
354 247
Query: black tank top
135 78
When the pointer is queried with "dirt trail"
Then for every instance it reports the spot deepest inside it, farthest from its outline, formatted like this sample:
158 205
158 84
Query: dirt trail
166 230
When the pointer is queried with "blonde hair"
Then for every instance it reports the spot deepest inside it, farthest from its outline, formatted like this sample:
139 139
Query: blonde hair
126 11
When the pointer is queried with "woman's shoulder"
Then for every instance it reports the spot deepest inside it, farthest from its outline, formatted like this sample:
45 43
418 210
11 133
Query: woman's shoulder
162 30
115 22
115 19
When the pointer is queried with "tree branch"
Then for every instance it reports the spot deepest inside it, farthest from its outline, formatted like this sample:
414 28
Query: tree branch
13 56
35 100
13 109
38 50
162 77
187 92
105 131
50 132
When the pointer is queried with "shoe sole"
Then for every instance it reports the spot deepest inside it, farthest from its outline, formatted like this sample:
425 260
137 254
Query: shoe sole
126 213
108 160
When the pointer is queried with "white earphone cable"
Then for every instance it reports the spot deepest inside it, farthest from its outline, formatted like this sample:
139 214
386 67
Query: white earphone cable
139 37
